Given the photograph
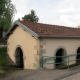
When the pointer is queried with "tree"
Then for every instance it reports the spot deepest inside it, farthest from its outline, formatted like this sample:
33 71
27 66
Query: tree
7 11
31 17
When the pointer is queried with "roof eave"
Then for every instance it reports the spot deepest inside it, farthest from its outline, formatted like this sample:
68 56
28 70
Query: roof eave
65 37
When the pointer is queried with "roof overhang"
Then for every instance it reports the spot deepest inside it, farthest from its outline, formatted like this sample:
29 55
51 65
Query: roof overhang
61 37
17 23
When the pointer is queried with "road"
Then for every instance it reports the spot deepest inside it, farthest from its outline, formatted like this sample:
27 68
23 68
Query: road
44 74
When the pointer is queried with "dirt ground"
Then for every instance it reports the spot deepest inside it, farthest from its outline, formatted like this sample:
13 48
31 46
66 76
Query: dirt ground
2 75
42 74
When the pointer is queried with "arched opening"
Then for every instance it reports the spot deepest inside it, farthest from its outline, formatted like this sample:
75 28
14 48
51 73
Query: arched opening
78 55
60 52
19 58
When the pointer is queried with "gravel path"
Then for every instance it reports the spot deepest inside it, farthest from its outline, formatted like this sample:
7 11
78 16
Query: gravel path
43 74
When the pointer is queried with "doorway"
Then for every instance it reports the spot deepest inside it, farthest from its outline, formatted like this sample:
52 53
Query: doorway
60 52
78 55
19 58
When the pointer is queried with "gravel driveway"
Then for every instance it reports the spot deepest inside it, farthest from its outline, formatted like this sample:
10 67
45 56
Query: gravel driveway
42 74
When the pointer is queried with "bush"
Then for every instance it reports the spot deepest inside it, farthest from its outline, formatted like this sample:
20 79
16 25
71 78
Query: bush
3 59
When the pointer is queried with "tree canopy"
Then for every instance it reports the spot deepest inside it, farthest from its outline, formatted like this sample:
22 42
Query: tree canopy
31 17
7 11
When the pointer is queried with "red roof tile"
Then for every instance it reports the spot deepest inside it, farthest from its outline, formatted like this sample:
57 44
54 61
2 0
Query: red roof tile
52 30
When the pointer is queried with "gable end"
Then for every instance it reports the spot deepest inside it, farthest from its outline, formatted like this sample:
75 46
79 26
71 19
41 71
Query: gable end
24 28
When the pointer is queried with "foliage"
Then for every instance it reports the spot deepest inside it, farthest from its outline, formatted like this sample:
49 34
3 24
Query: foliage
31 17
3 59
7 11
4 63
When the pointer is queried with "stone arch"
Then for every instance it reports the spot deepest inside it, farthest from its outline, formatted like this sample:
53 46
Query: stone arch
19 57
60 51
78 55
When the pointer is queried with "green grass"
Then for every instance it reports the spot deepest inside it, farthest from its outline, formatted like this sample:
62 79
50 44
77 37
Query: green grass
4 63
3 59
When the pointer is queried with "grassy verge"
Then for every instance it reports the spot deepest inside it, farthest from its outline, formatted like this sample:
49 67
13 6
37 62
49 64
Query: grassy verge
3 59
4 63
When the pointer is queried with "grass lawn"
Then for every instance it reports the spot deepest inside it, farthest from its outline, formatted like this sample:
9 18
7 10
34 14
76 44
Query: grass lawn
3 59
4 63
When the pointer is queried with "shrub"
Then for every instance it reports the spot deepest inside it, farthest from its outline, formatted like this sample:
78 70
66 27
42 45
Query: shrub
3 59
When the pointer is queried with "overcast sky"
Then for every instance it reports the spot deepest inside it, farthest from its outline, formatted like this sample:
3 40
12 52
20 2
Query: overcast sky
57 12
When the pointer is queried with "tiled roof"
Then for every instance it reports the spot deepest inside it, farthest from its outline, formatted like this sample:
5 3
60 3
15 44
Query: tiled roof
52 30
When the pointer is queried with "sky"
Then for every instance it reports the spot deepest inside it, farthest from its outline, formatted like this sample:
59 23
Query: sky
56 12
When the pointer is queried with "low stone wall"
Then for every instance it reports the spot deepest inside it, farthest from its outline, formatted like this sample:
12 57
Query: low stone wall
3 46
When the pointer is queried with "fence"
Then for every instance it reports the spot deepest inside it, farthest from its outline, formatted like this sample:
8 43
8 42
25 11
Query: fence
45 59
